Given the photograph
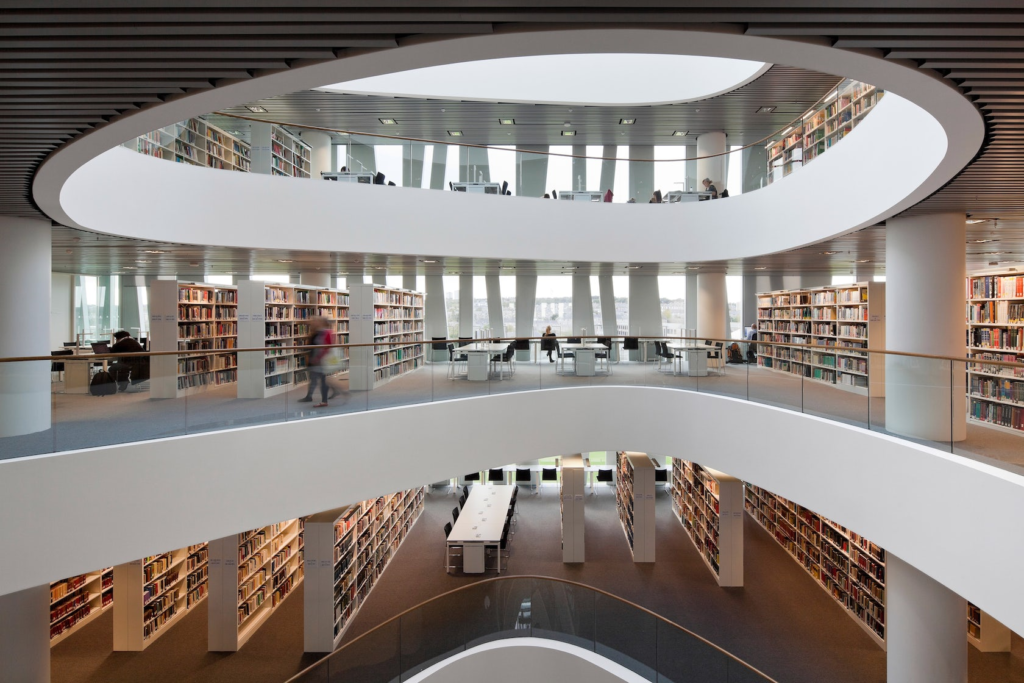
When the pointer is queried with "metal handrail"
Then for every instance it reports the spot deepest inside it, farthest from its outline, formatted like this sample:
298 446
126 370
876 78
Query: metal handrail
504 339
297 677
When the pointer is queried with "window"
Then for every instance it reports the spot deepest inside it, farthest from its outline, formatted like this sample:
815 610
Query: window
451 169
219 279
502 162
621 190
669 175
594 168
554 305
672 289
272 277
560 170
388 159
481 321
97 306
507 284
734 295
735 180
843 279
620 283
451 303
595 298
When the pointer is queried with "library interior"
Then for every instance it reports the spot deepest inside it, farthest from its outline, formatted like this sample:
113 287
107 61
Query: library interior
432 342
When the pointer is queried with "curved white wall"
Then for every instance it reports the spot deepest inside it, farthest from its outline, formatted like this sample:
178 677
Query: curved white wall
910 499
898 156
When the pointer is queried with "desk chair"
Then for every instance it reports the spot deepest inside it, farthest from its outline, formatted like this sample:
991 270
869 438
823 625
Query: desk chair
630 344
521 344
554 194
605 355
465 491
496 475
604 476
661 476
462 501
70 345
505 360
502 549
504 188
716 356
525 476
548 474
58 366
664 354
378 179
449 548
472 476
455 513
547 344
454 360
437 344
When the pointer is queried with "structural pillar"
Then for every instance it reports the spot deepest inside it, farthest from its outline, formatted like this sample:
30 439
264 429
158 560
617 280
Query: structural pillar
579 168
644 309
532 172
319 154
691 301
316 278
582 306
438 162
25 270
712 306
925 258
466 305
713 167
526 303
609 321
748 301
435 318
926 627
755 168
409 281
25 636
608 169
494 316
641 173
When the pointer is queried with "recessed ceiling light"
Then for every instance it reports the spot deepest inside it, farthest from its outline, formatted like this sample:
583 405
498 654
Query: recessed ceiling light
378 267
863 260
507 122
827 253
193 263
388 122
455 133
68 251
981 241
256 109
129 267
345 273
764 110
508 267
634 267
760 267
284 260
975 221
627 122
428 260
141 261
568 133
693 267
992 253
154 251
679 133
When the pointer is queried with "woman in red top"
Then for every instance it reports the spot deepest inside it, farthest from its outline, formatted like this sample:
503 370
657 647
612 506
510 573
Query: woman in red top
319 367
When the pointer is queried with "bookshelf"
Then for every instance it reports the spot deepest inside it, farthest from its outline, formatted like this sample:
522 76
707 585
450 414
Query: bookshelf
276 317
275 151
152 594
572 490
392 319
195 142
843 320
192 316
828 123
995 332
250 575
347 549
77 600
634 500
709 505
984 632
847 566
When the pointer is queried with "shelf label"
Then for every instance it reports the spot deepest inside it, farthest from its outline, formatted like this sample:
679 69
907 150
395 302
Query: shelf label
257 317
243 317
579 497
215 562
229 563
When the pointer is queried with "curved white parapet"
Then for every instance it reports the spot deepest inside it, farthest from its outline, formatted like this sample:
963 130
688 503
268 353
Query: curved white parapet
922 133
514 660
909 499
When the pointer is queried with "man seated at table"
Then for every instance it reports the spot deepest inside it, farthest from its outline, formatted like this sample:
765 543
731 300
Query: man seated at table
125 369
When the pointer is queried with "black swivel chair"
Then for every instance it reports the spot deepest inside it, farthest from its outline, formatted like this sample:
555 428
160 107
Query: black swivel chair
462 502
548 344
58 366
504 187
548 474
378 179
496 475
391 183
606 356
472 476
554 194
604 476
524 476
505 360
455 513
450 186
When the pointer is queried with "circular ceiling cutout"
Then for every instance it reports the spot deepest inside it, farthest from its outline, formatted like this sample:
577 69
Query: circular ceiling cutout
580 79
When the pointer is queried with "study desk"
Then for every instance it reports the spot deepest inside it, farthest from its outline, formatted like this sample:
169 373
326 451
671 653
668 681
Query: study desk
78 373
585 356
478 361
696 358
481 521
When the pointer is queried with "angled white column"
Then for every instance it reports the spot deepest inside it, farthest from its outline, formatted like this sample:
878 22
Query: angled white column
608 170
409 281
412 164
532 172
465 305
582 305
924 292
316 278
435 321
579 167
926 627
644 308
438 162
691 301
526 303
25 636
320 152
25 270
494 316
712 306
714 167
641 173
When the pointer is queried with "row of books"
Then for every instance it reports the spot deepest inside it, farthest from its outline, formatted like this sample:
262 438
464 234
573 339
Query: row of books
207 379
997 414
996 338
995 287
1002 312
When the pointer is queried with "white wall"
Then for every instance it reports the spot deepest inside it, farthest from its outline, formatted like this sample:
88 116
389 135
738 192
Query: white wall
894 492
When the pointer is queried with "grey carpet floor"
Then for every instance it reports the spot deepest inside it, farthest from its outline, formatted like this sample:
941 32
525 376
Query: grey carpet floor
780 621
83 421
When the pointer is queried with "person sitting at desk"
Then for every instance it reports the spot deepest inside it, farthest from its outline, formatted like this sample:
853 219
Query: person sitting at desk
344 169
548 345
709 187
125 369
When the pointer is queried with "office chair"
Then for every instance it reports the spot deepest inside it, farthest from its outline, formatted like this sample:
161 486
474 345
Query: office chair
70 344
554 194
524 476
462 502
454 360
58 366
663 353
378 179
504 187
630 344
496 474
548 474
605 355
391 183
472 476
450 186
455 513
605 475
716 356
522 344
505 360
465 491
661 476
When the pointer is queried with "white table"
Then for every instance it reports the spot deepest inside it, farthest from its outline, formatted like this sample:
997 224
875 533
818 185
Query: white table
481 521
78 374
585 355
696 358
479 354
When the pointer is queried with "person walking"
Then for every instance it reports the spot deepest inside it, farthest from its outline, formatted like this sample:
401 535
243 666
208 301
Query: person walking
322 361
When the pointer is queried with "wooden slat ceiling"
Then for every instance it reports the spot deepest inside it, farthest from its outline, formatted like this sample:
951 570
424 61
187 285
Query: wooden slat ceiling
69 65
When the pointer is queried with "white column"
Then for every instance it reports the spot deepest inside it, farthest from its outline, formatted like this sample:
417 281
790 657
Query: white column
25 279
579 168
316 278
582 305
712 305
25 636
691 301
466 305
927 628
714 168
526 304
644 308
925 258
532 172
409 281
609 321
748 300
435 317
608 170
641 173
494 317
320 152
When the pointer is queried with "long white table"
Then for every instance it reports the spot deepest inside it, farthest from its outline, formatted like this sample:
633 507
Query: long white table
584 356
479 354
481 521
696 358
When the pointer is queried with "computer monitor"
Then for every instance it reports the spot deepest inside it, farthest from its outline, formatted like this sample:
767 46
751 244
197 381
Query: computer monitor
100 347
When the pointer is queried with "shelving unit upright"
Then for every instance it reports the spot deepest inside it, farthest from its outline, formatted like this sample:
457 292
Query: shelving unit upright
709 505
572 496
392 320
634 500
77 600
995 332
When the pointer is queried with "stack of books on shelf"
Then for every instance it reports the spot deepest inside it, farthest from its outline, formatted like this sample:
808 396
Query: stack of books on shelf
392 320
347 550
995 333
153 593
195 142
634 500
77 600
571 508
709 504
843 320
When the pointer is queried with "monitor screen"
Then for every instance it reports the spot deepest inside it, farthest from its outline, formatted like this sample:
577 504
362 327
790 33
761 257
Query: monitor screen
100 347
